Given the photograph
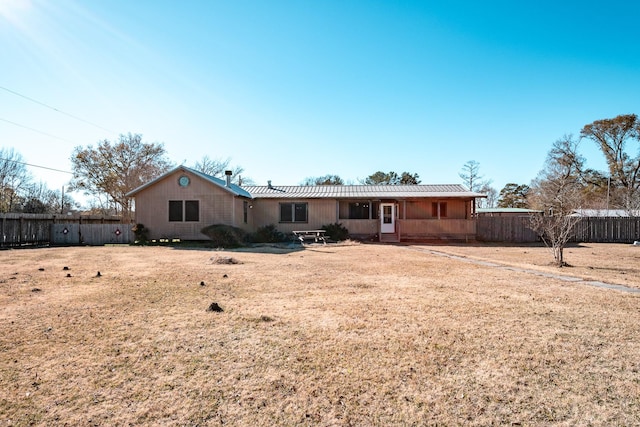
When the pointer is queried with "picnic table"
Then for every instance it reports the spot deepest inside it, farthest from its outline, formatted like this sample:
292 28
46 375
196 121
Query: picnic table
316 235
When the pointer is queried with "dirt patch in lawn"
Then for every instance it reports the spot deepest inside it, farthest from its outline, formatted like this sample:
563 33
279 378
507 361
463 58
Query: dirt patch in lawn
328 335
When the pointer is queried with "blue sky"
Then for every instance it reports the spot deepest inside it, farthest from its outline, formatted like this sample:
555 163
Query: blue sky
293 89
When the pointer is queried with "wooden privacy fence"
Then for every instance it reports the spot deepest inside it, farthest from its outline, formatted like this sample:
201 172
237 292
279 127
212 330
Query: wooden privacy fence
614 230
90 234
514 229
19 230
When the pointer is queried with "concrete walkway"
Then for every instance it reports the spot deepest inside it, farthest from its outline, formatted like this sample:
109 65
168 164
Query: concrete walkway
563 277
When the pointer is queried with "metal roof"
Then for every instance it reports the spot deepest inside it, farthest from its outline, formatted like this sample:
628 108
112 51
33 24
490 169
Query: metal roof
606 213
359 191
328 191
234 188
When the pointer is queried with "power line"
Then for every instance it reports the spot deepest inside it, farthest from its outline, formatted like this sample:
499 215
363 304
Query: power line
57 110
35 166
37 131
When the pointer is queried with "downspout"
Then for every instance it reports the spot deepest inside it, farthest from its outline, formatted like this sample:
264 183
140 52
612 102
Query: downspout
228 174
233 210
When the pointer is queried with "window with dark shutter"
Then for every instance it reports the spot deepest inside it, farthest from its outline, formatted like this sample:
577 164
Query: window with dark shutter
192 210
175 210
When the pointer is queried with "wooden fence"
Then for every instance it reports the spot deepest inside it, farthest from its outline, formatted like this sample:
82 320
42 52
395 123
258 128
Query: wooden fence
614 230
514 229
20 230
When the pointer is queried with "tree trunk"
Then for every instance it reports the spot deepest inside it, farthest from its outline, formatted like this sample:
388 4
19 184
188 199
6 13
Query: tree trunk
558 255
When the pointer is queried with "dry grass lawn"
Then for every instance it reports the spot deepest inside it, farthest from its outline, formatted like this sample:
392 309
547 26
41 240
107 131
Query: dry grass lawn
610 263
363 335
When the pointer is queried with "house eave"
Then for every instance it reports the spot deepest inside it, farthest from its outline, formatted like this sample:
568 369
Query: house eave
234 189
363 192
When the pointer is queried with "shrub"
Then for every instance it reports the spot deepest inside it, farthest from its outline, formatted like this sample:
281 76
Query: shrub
336 231
224 236
268 234
141 234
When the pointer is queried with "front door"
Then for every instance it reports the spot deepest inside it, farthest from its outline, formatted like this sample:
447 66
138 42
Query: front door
388 218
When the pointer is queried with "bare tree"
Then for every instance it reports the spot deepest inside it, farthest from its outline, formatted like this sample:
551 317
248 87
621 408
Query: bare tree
218 167
597 189
14 179
472 179
491 199
557 191
612 137
114 169
38 198
470 175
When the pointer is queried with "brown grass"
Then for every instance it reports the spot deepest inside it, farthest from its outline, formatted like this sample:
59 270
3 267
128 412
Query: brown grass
610 263
329 335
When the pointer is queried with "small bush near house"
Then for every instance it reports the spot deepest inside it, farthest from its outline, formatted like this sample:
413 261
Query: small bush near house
225 236
336 231
268 234
141 234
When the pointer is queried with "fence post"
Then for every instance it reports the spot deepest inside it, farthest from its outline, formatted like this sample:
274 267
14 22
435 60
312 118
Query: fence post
20 227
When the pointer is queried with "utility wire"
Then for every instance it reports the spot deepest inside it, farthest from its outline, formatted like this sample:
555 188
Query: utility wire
36 130
57 110
35 166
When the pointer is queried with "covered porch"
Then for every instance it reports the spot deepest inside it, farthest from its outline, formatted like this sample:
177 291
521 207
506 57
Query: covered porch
393 220
413 230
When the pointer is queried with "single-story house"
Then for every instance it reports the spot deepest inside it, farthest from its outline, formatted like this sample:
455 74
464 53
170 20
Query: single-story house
181 202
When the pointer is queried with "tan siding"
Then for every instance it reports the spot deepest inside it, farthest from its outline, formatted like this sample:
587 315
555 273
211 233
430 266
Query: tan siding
437 229
319 213
239 214
322 212
264 213
361 227
418 209
218 206
344 210
422 209
152 207
456 209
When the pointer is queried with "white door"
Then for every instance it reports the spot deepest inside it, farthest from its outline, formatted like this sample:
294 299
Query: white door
388 218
